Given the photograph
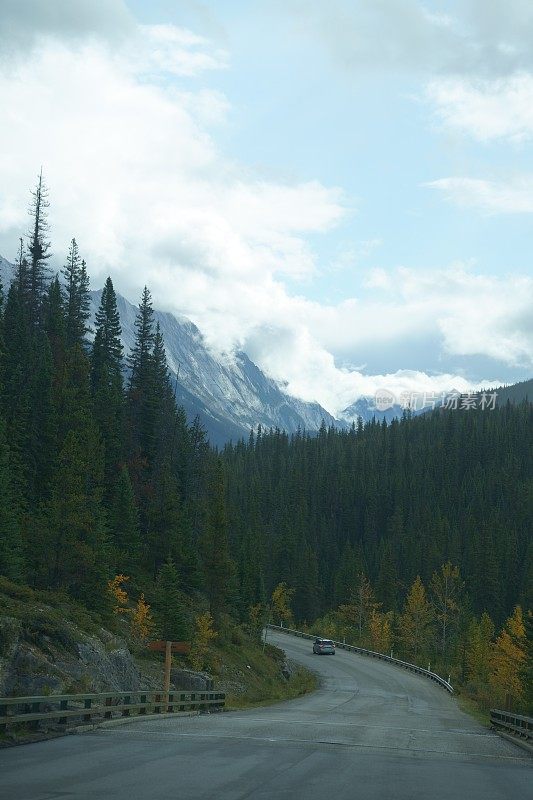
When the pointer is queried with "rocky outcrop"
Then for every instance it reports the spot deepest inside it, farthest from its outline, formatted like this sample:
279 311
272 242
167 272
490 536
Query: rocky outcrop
36 660
191 681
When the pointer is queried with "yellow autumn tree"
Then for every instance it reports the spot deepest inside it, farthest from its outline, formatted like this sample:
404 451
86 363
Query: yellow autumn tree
479 649
416 621
507 661
258 616
355 616
119 595
281 603
445 589
380 631
204 634
142 622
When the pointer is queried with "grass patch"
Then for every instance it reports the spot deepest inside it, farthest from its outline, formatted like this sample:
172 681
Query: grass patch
300 683
254 676
472 707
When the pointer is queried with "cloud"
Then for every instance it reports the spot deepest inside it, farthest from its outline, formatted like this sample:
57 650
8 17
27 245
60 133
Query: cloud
135 175
491 197
125 139
453 310
486 110
24 23
483 38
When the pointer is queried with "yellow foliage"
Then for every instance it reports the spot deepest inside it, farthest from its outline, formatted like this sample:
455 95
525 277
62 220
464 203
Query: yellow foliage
204 634
446 587
142 622
257 618
380 631
416 620
281 598
478 654
118 593
362 604
507 660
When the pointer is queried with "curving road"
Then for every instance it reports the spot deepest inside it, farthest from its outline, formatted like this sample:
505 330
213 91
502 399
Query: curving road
373 730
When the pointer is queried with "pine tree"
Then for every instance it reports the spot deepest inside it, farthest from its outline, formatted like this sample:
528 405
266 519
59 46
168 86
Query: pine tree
106 381
11 555
168 606
77 303
141 406
76 551
218 568
139 359
123 525
38 252
55 326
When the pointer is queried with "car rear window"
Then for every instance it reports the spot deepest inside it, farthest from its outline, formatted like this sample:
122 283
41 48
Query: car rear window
326 641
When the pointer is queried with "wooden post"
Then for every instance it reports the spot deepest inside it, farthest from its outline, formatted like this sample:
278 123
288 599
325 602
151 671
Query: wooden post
166 681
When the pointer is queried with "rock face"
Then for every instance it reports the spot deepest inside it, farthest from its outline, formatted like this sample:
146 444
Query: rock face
191 681
35 662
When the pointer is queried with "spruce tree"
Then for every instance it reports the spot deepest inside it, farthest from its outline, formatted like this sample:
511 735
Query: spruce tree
106 382
168 606
218 567
123 524
38 252
140 390
11 555
77 302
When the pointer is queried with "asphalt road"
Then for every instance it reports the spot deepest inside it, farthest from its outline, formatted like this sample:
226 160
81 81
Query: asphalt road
372 731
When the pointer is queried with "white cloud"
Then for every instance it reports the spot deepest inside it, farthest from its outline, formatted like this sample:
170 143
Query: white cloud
461 312
485 109
25 23
136 176
158 49
480 38
492 197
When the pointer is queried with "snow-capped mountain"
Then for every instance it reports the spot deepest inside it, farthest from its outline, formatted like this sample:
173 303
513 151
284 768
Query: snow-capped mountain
365 407
229 393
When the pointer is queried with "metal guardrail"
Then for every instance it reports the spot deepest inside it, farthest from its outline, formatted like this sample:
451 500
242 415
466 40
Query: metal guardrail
513 723
103 705
381 656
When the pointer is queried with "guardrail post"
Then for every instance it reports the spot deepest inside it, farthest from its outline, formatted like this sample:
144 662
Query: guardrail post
170 707
142 700
3 713
63 705
87 704
126 701
108 702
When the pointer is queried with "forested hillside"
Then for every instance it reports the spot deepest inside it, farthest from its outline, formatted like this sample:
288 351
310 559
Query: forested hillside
413 535
393 500
99 476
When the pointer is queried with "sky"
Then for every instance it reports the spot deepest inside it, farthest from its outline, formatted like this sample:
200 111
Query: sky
342 189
